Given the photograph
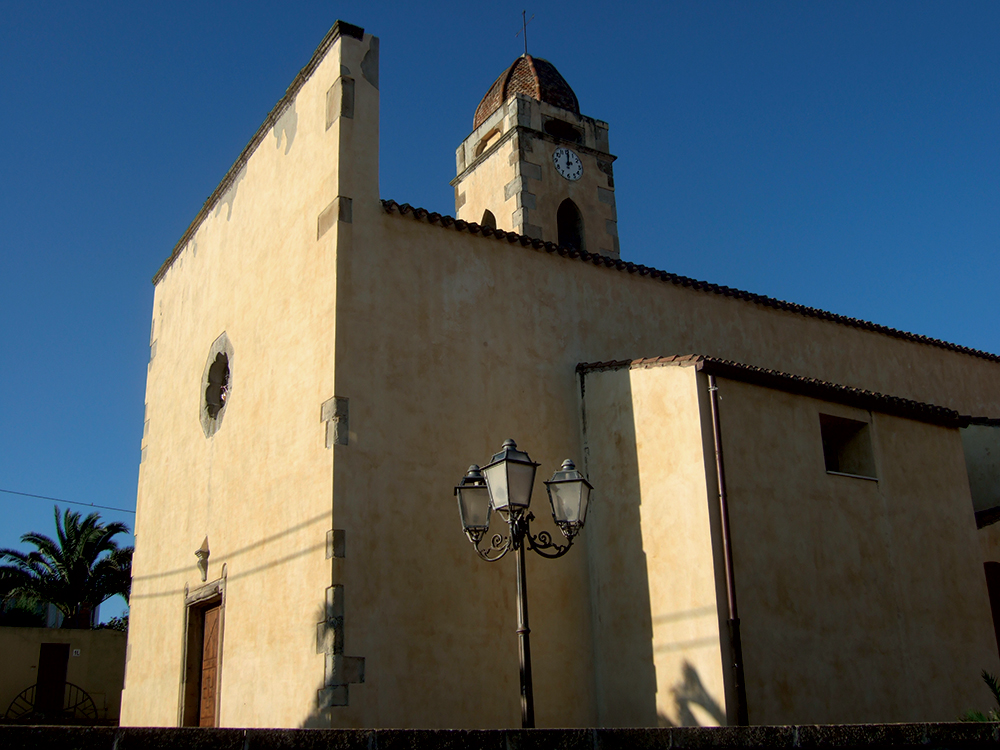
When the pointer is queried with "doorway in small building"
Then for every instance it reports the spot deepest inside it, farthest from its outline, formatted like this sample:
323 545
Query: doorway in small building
203 651
53 661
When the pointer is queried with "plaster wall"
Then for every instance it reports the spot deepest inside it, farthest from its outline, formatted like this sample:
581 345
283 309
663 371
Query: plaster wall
658 653
858 598
449 343
261 267
483 188
98 669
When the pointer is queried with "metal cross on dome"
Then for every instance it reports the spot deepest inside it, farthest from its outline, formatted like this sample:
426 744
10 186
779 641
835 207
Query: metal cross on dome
524 28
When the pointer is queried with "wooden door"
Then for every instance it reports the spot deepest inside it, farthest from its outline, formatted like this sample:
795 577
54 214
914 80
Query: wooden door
53 660
209 668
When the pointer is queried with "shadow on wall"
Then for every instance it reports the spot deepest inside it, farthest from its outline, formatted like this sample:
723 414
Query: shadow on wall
690 692
620 587
326 634
317 718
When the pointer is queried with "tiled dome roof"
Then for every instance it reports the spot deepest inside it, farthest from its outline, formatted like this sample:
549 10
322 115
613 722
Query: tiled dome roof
533 77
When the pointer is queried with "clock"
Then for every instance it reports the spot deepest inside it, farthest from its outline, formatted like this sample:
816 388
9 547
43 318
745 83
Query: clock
567 163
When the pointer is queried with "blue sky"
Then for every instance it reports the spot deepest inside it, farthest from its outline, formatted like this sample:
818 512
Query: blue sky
841 155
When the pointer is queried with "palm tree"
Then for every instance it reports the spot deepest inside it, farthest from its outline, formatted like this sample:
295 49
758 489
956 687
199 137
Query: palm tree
78 570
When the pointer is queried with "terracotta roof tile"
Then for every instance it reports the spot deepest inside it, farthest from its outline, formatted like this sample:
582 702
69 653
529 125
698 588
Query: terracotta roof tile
531 76
404 209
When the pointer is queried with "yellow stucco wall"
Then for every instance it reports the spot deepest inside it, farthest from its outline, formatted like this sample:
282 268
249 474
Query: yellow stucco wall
445 344
98 668
653 575
256 270
860 600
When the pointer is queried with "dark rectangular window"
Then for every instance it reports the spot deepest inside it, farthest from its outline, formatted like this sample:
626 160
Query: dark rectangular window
847 446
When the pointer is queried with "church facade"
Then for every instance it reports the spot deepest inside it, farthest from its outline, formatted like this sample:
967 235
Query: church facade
802 494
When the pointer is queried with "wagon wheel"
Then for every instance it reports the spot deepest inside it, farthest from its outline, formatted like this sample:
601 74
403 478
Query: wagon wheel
77 706
22 706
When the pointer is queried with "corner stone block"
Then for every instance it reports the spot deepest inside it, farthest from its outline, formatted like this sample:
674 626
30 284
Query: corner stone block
519 218
512 188
330 636
532 230
335 543
342 670
340 100
526 200
334 412
329 697
326 219
529 170
334 602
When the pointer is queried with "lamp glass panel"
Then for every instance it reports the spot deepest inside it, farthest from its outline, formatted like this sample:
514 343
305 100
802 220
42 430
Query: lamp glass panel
568 500
521 479
496 479
584 502
474 506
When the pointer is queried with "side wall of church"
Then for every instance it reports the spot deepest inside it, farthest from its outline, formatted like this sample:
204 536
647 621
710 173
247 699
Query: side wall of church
448 343
260 267
860 600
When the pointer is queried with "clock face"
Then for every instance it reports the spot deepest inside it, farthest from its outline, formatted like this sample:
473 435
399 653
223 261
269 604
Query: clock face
567 163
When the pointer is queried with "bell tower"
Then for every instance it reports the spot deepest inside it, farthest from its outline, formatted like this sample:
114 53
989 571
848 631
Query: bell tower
534 165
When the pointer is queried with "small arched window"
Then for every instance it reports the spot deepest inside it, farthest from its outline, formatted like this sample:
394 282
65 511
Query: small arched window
489 220
570 224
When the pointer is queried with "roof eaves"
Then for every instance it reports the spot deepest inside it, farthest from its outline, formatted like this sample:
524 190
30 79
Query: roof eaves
339 29
776 379
449 222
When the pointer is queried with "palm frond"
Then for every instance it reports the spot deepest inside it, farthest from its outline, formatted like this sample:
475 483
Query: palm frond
994 686
973 715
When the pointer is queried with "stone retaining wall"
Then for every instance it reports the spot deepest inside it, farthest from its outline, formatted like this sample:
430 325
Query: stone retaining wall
924 736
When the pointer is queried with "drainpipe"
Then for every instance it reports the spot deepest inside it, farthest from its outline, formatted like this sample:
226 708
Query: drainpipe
735 641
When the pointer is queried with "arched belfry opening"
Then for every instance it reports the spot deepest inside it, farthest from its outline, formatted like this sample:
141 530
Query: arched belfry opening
489 220
570 223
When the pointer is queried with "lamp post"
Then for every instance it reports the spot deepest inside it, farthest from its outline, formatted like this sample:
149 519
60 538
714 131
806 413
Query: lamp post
504 485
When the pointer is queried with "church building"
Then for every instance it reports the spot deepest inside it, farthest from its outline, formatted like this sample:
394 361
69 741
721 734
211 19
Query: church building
793 514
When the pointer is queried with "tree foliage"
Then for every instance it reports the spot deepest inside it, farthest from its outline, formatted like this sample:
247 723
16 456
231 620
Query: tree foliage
82 567
994 713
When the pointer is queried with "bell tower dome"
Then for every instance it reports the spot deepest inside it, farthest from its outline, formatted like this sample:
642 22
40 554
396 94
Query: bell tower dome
534 165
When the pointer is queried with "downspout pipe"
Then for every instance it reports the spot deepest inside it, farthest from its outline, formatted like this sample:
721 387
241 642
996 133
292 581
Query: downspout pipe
733 623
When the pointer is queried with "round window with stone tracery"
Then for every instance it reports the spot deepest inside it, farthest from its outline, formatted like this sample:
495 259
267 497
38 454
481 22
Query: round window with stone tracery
216 385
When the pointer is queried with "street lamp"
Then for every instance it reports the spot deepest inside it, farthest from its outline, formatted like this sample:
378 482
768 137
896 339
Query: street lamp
504 485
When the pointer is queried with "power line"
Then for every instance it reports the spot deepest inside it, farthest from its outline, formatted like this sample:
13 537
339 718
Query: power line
68 502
